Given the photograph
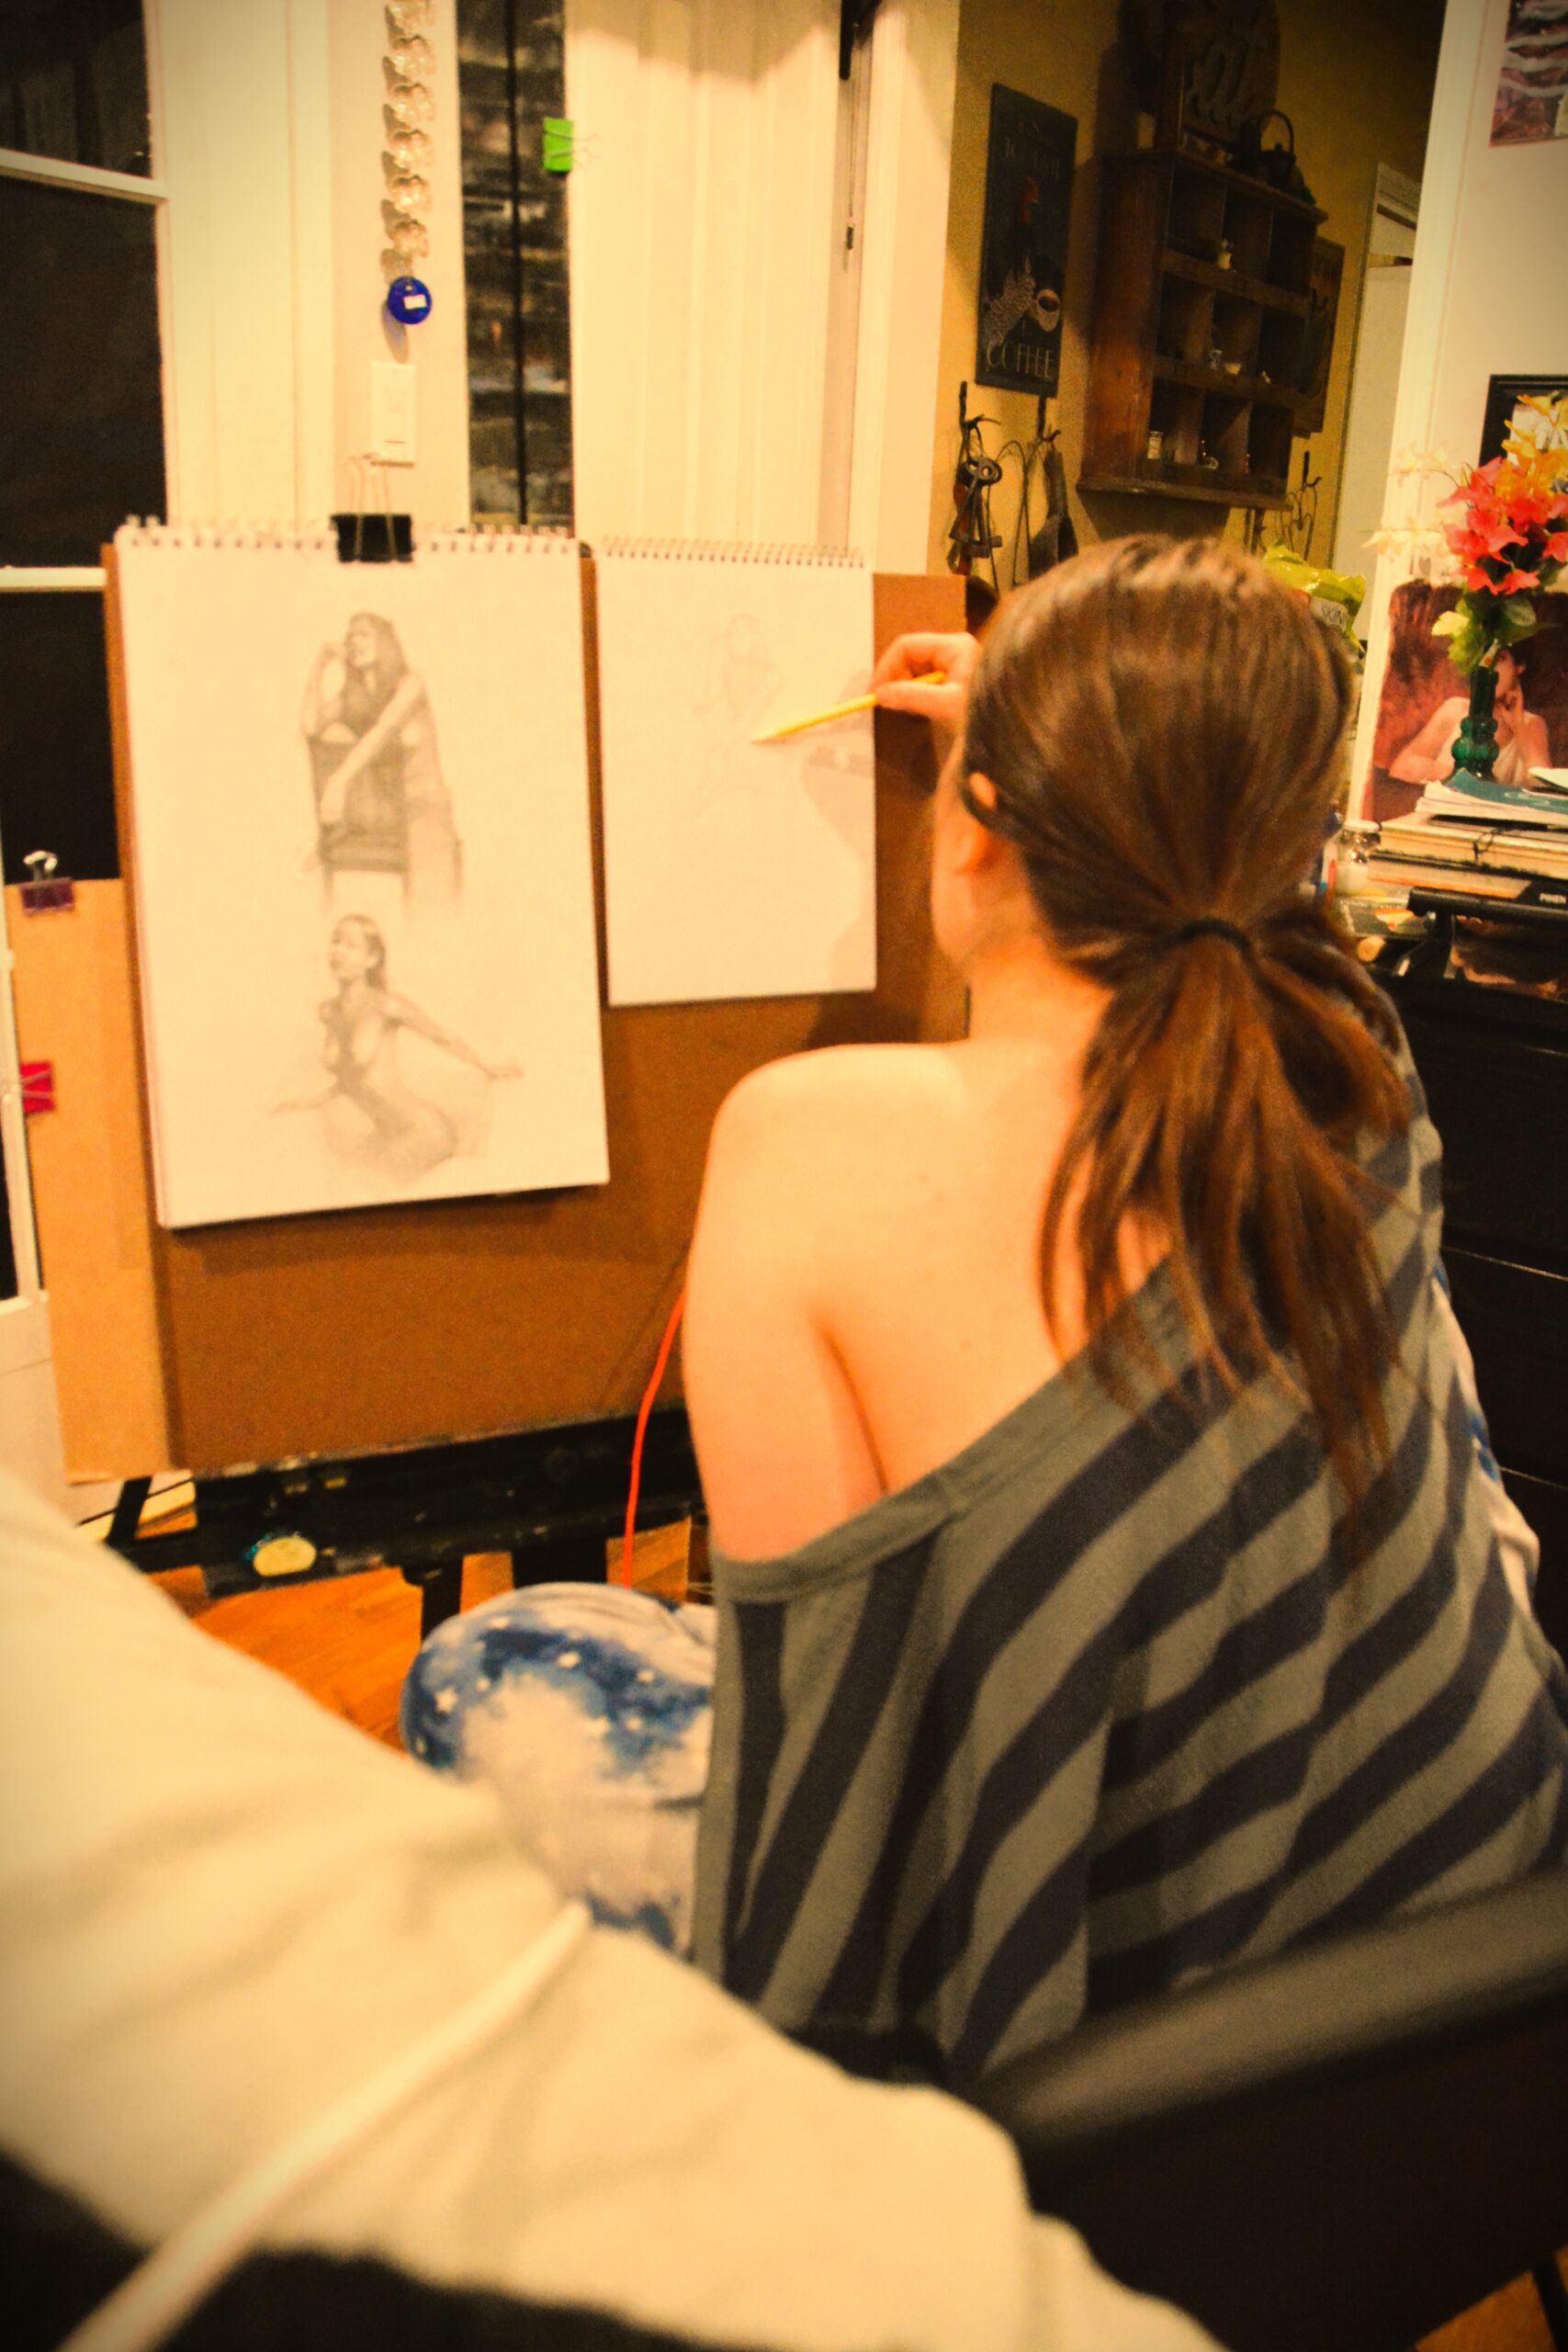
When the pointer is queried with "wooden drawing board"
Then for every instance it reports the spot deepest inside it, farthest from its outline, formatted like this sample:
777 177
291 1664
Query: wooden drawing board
345 1332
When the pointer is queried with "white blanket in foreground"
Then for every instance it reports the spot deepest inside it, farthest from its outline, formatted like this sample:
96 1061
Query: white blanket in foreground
221 1908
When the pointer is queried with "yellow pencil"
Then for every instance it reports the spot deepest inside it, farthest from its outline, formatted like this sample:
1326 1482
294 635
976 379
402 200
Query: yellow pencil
842 709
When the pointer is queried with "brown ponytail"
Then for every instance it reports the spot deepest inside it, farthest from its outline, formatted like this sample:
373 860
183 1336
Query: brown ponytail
1164 727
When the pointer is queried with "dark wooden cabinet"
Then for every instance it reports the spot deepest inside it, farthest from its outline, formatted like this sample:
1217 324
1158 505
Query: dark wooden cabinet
1202 307
1494 1066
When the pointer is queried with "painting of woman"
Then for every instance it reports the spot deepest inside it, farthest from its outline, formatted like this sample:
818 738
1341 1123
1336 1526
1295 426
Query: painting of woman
1522 739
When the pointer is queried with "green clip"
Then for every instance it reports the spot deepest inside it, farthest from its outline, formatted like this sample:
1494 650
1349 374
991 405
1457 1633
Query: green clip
555 148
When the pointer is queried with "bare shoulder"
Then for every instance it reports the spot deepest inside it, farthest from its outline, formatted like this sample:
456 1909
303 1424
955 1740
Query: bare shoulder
844 1110
802 1189
837 1088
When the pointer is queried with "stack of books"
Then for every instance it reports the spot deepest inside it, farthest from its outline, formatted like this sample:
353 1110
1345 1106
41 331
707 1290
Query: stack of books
1496 841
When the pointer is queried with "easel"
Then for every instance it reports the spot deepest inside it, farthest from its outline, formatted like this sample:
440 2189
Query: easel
320 1344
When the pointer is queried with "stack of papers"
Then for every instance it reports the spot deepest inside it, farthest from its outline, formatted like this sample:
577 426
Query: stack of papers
1493 840
1495 804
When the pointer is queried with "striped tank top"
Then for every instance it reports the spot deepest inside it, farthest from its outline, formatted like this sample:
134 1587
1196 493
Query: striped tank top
1104 1702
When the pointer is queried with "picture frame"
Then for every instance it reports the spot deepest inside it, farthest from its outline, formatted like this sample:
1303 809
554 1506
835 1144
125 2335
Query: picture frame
1420 683
1317 345
1023 249
1503 395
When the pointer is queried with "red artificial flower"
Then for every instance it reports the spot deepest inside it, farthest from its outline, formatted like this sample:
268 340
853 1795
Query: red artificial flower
1475 543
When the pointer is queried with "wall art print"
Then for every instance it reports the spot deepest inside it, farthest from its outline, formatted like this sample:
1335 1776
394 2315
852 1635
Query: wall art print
1532 84
1534 407
1024 249
363 875
1317 343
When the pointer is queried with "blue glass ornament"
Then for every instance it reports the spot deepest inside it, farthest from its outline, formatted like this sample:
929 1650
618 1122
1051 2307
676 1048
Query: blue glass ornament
409 300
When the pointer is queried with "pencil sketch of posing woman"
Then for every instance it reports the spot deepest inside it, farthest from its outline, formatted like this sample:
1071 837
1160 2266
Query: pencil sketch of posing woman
381 805
371 1114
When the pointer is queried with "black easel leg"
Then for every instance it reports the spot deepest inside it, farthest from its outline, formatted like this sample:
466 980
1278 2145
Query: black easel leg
568 1559
1553 2301
440 1597
126 1517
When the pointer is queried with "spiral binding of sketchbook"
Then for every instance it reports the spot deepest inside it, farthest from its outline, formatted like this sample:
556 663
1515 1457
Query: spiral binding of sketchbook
732 551
318 538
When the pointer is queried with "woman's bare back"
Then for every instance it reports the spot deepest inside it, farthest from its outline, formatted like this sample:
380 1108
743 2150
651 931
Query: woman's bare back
866 1293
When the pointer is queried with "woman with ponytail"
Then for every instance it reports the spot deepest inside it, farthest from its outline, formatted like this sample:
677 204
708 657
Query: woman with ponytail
1108 1585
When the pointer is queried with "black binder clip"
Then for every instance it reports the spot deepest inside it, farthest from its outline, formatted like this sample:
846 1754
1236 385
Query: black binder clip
377 537
374 539
46 889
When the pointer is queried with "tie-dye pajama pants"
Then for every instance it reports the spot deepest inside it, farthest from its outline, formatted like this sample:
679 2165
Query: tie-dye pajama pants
589 1709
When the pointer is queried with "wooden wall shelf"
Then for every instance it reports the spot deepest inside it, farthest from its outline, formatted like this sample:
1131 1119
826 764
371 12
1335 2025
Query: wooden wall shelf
1232 282
1256 388
1172 320
1194 483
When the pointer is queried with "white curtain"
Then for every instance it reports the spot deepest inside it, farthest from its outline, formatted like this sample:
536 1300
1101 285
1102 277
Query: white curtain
702 243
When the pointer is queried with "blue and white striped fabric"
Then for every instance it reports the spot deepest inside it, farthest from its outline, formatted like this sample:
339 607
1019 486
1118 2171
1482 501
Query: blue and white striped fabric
1109 1700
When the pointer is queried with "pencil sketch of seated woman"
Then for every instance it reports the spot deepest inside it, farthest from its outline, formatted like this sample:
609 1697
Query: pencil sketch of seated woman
371 1114
382 805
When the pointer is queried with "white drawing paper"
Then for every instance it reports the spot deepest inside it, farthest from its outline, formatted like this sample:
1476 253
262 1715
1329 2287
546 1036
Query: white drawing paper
733 868
362 872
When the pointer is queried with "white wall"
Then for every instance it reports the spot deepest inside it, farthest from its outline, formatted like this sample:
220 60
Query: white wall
269 135
436 487
705 236
1489 289
914 80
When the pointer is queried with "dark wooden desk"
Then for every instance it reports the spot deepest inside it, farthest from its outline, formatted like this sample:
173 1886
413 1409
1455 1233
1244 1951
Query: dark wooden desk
1494 1064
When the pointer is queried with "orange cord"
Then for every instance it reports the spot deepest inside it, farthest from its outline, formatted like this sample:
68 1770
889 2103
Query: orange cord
622 1574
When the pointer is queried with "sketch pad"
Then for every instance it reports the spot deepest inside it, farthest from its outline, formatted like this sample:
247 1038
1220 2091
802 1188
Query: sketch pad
363 871
731 868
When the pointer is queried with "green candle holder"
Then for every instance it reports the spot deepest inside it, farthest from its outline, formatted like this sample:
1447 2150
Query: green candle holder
1475 745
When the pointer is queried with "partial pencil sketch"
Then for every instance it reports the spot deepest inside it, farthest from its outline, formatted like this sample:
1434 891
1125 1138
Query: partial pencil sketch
370 1114
739 680
735 868
735 683
381 804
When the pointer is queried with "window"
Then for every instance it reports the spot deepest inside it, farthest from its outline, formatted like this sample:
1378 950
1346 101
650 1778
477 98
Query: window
74 82
511 77
81 392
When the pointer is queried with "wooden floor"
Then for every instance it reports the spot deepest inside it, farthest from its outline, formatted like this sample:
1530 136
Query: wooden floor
349 1642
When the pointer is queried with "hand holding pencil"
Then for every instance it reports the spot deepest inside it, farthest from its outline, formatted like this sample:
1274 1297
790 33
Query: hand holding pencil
924 673
902 679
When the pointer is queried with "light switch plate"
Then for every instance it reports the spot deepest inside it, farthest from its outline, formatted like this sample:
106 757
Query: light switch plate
392 413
